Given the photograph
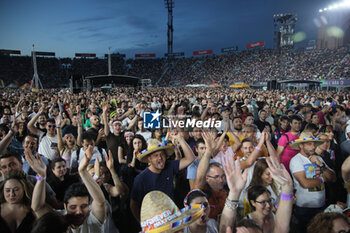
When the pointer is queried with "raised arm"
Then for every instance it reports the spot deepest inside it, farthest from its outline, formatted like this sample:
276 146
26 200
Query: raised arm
272 151
39 194
284 211
236 181
60 143
255 154
237 143
188 153
118 188
345 169
80 131
132 123
199 182
31 123
219 143
98 207
125 115
105 119
6 141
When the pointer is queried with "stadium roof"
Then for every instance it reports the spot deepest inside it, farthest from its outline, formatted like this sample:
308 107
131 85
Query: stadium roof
123 80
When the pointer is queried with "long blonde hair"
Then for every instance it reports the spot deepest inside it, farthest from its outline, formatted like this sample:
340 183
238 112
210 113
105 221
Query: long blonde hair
26 184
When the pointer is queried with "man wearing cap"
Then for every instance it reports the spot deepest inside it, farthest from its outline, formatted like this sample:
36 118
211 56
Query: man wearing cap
309 173
160 172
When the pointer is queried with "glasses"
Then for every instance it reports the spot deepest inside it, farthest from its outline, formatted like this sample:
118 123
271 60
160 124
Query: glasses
217 177
264 202
50 126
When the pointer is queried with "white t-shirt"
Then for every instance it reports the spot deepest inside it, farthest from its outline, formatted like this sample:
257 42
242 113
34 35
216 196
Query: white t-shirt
48 146
212 227
312 197
74 159
90 224
146 135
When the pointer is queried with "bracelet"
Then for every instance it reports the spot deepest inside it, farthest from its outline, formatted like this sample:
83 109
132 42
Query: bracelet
286 197
39 178
231 205
258 148
231 201
321 179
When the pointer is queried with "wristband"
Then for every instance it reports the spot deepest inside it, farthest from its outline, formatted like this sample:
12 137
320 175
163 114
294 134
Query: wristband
231 201
321 179
258 148
95 177
58 126
38 114
38 178
286 197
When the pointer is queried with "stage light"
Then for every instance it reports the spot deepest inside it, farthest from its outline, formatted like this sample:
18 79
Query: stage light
320 11
325 9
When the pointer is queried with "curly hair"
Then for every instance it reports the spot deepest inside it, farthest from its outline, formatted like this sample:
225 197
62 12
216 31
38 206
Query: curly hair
26 184
323 222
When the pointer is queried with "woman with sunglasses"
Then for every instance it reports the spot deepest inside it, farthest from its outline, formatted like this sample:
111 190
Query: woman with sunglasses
204 224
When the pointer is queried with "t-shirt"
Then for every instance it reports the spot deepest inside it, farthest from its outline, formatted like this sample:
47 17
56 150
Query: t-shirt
146 135
113 142
48 146
221 157
192 168
75 159
148 181
312 197
90 225
212 227
288 153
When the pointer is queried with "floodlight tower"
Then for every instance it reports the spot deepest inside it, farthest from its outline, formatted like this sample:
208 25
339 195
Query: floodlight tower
170 4
36 80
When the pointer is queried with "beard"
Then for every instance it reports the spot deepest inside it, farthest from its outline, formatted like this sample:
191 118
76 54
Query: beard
75 219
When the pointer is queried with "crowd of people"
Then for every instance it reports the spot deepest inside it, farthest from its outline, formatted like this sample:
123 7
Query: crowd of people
274 161
245 66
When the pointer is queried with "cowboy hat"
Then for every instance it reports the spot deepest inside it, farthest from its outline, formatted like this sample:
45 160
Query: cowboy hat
160 214
153 146
305 137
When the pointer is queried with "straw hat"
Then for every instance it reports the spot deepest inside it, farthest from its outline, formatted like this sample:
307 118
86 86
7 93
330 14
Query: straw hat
305 137
160 214
153 146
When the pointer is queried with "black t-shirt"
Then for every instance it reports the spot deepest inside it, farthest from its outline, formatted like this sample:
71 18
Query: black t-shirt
113 142
94 133
261 125
60 187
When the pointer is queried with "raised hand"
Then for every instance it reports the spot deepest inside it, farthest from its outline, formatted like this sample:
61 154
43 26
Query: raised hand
209 140
58 120
14 125
86 159
105 107
279 172
35 163
109 161
234 177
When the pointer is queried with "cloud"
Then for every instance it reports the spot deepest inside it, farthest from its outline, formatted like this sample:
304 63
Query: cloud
87 20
